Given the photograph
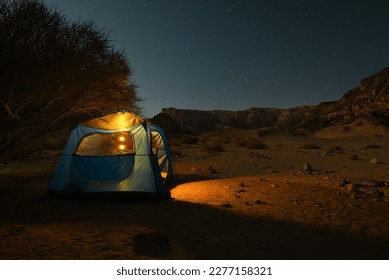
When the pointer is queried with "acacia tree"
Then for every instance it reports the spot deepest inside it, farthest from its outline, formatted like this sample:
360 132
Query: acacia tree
54 72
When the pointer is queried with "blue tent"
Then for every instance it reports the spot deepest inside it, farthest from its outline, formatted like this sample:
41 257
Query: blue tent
118 155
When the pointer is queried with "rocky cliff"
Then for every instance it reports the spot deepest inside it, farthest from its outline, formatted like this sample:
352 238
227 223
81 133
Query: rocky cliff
370 101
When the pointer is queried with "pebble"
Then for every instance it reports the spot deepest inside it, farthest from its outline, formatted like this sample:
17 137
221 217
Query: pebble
350 187
194 169
374 161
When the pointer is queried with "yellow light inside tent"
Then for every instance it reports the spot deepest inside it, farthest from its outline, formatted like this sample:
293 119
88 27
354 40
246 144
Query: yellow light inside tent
121 138
122 147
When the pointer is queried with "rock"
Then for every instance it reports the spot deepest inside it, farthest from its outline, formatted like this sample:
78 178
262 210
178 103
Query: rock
211 169
374 192
374 161
273 186
248 203
226 205
241 184
344 182
364 190
17 230
373 183
354 157
194 169
385 191
259 202
240 191
350 188
307 168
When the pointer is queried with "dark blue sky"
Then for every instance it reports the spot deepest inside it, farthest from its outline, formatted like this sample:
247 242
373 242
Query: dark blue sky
230 54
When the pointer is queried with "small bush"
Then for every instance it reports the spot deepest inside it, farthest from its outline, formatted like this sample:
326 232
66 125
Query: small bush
212 147
241 142
310 146
254 143
190 140
226 140
334 149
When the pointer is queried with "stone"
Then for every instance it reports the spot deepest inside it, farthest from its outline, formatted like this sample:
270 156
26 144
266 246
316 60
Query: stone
194 169
350 187
211 169
374 192
373 183
344 182
374 161
226 205
307 167
385 191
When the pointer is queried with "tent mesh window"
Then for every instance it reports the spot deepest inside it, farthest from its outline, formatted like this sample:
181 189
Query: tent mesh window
106 144
158 148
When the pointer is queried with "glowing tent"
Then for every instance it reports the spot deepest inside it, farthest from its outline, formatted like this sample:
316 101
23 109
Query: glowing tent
119 155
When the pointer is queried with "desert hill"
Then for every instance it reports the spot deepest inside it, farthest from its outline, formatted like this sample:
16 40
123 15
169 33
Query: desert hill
368 103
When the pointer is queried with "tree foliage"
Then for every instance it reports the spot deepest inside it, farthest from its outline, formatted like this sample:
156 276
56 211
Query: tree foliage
54 72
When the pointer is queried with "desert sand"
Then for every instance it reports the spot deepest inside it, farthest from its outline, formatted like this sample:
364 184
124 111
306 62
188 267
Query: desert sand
325 196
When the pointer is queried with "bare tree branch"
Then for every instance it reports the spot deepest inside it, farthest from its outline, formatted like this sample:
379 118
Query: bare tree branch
54 72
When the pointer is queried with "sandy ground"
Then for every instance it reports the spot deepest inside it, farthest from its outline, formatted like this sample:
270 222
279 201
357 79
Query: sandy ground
238 204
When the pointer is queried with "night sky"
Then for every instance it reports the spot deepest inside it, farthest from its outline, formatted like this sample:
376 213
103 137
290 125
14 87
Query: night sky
233 55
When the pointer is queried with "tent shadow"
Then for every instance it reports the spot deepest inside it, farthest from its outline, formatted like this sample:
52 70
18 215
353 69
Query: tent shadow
169 229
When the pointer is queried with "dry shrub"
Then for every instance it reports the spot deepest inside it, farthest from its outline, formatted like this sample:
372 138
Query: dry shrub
226 140
310 146
241 142
189 139
212 147
335 149
250 143
371 146
255 143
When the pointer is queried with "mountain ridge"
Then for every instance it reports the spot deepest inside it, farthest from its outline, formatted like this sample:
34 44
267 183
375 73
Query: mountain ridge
369 101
